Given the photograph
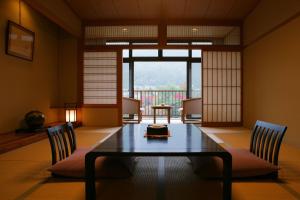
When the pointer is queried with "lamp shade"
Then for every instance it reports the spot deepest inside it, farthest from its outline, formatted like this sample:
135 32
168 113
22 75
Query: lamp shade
71 112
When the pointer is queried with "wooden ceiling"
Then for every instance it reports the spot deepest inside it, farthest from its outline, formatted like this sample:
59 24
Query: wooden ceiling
162 9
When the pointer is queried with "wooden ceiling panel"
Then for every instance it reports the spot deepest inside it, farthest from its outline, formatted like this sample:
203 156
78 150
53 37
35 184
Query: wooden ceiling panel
127 9
105 8
150 9
219 8
163 9
196 9
174 9
242 8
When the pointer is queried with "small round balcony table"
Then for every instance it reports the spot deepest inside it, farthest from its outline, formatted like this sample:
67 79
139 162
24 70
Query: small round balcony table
162 107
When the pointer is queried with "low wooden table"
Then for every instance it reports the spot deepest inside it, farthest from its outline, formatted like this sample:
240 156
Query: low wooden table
160 107
185 140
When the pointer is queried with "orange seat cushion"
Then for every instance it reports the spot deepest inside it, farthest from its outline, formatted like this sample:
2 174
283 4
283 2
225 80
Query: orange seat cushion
105 167
244 164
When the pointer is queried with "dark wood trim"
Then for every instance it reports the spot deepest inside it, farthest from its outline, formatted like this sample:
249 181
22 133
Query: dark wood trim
162 35
251 11
222 124
202 47
100 105
12 140
117 22
119 86
49 14
72 9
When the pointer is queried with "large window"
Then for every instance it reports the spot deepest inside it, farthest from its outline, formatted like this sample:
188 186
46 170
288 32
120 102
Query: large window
126 76
196 80
162 76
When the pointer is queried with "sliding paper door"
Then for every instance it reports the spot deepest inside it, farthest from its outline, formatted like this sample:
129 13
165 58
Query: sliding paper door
222 84
102 88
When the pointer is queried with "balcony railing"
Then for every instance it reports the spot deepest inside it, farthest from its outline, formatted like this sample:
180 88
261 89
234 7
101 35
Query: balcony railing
150 98
156 97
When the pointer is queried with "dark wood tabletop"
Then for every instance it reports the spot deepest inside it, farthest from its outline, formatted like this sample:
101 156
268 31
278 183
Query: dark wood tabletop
184 140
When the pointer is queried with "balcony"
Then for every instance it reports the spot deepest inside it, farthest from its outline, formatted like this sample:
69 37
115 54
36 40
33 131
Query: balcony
156 97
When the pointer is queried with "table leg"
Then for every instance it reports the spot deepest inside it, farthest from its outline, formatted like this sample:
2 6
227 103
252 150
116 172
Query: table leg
90 190
227 173
160 195
169 116
154 117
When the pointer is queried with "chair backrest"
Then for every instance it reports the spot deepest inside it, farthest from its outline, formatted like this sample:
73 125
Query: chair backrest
61 146
192 106
71 136
266 140
130 106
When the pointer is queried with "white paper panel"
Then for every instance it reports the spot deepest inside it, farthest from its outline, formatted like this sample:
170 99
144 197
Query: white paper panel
233 77
215 95
239 113
234 60
219 62
205 102
228 60
229 95
224 77
100 78
224 95
205 59
215 77
238 96
224 62
220 95
238 60
238 79
215 59
205 77
229 113
219 77
219 113
224 113
205 113
209 95
210 77
228 78
234 95
221 87
234 108
215 113
210 113
209 60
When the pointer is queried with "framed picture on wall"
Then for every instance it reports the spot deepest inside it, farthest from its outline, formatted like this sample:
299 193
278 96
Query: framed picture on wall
19 41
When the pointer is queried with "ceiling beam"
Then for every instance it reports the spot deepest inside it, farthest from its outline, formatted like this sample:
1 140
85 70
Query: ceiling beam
117 22
59 13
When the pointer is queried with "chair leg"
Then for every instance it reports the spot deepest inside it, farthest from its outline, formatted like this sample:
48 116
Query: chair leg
183 118
140 117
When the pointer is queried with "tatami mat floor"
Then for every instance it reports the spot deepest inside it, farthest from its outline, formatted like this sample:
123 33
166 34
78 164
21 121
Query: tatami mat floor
24 175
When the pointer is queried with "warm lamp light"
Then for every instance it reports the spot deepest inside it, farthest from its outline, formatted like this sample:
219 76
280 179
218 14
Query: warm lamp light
71 112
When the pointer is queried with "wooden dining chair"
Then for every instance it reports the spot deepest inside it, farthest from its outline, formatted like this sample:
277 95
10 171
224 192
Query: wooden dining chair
260 160
191 107
69 161
133 107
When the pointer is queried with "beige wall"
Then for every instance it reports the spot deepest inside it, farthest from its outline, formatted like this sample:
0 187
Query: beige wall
68 60
267 15
28 85
271 78
100 116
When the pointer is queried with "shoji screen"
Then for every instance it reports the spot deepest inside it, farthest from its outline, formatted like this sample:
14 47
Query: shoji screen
100 78
221 88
